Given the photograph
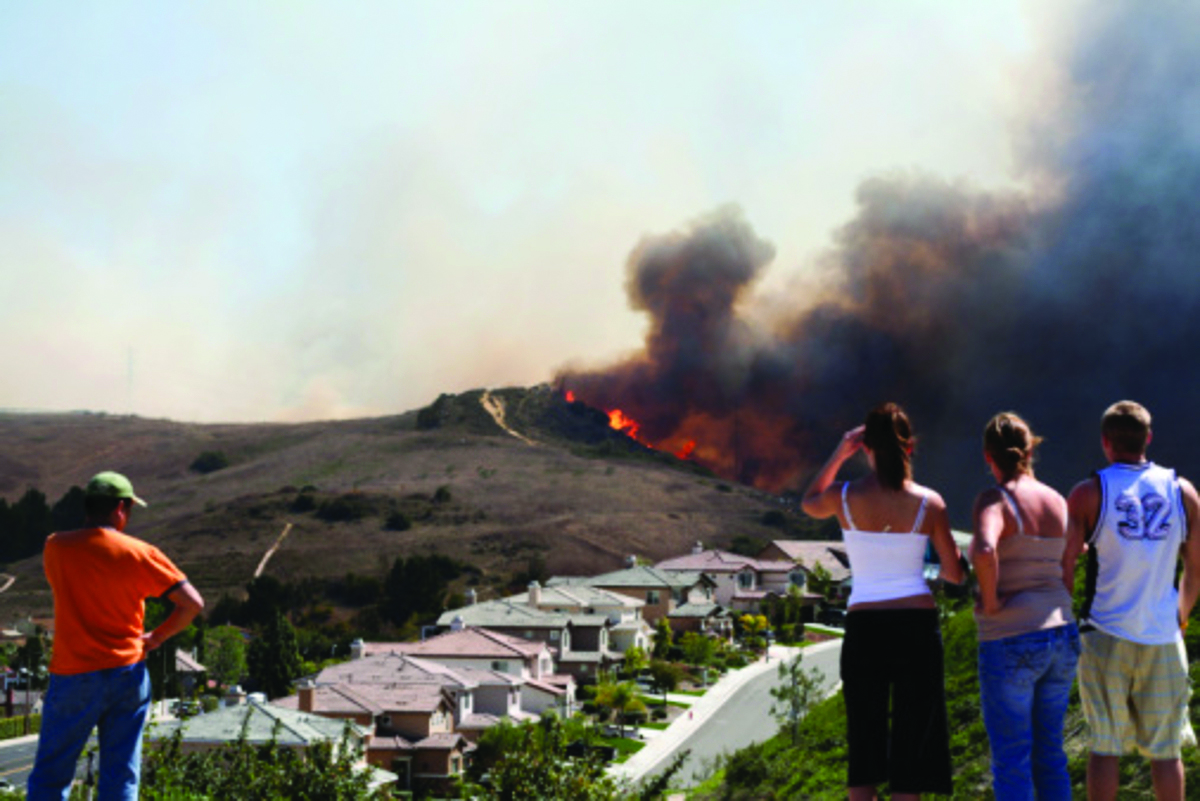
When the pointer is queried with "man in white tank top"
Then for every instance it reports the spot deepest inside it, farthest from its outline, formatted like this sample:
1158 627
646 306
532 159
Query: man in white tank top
1134 520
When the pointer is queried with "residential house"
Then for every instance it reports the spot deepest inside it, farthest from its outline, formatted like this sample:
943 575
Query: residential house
742 582
624 612
807 554
514 674
661 591
579 642
410 727
261 723
479 697
190 673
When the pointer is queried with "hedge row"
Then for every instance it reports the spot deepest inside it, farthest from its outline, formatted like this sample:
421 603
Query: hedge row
15 727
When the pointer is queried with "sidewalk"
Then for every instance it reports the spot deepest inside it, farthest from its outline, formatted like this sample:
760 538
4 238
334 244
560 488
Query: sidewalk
664 743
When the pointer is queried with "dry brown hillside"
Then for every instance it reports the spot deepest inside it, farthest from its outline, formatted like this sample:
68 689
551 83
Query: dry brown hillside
572 492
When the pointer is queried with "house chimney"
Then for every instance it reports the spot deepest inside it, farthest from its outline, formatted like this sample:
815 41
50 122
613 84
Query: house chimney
357 649
535 594
472 597
457 623
698 548
308 691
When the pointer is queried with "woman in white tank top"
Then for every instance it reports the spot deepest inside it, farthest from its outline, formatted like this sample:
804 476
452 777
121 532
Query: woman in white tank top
892 673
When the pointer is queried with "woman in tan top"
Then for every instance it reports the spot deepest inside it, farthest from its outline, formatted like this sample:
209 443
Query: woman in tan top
1028 641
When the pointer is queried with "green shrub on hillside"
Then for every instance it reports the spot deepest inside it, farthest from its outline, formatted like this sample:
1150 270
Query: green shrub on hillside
209 462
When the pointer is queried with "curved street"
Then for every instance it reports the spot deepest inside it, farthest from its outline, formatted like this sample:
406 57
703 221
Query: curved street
733 714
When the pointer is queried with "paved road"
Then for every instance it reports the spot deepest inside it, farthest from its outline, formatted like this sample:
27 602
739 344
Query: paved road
16 759
733 715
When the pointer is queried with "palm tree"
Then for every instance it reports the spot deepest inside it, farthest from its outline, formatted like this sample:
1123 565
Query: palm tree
621 698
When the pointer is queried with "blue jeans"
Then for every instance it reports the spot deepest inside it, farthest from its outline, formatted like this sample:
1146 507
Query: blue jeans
1025 682
115 701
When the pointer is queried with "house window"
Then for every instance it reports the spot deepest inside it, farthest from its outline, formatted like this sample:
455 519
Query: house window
554 635
746 580
456 764
652 596
797 578
500 666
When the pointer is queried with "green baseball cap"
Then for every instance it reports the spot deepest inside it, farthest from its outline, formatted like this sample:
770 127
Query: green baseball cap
112 485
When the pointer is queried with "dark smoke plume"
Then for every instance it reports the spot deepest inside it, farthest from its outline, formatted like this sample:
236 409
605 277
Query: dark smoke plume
953 302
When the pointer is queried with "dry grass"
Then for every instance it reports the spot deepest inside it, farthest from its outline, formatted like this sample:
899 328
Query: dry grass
509 500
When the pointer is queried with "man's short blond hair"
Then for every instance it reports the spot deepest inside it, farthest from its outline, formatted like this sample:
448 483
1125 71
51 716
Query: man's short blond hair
1126 427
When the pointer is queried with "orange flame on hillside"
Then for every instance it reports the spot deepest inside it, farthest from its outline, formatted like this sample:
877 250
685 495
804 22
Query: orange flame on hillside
618 420
570 396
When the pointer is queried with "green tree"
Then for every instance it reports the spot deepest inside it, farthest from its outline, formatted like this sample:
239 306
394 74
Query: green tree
663 639
821 582
665 676
635 660
795 694
33 657
226 650
533 763
274 658
620 698
418 586
267 772
698 650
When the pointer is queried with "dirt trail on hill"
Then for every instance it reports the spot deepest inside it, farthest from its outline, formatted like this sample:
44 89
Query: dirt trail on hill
495 407
271 551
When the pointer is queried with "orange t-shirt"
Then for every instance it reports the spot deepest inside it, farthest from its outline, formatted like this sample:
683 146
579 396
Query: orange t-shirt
101 579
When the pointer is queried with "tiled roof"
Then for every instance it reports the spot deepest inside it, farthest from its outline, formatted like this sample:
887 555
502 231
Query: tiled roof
645 576
391 742
261 722
393 668
546 687
336 699
714 561
442 741
589 656
505 614
372 699
478 721
829 555
696 610
184 663
580 596
473 642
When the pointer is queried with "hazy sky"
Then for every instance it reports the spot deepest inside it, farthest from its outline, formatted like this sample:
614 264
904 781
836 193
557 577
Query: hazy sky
268 211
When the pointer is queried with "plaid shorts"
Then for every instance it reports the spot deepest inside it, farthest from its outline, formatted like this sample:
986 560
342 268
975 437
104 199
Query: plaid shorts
1135 696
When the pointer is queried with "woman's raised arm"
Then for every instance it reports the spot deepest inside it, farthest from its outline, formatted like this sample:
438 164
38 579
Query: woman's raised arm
819 501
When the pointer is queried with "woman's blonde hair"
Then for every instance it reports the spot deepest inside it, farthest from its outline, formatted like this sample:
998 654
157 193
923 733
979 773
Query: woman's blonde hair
1010 442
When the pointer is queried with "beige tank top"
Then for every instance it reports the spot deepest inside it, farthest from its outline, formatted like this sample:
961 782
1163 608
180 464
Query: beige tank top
1031 580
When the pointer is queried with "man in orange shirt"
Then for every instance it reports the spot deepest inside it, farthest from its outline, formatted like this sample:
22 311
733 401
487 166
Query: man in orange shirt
101 578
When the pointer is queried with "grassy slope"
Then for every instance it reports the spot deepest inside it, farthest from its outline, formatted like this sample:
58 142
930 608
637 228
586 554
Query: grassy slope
816 768
582 499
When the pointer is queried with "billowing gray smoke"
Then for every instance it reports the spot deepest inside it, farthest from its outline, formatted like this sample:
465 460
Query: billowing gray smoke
955 303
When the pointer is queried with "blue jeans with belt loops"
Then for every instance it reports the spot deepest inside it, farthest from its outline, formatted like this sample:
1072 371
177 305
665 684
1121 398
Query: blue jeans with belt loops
115 702
1025 682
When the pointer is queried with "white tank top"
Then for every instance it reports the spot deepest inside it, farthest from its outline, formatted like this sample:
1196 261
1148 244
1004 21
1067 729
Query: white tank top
885 566
1133 554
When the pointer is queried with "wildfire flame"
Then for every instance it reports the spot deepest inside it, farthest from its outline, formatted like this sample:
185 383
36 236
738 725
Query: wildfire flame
618 420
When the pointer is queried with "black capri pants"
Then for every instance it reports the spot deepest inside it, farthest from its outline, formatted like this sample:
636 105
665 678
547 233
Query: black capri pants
894 684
